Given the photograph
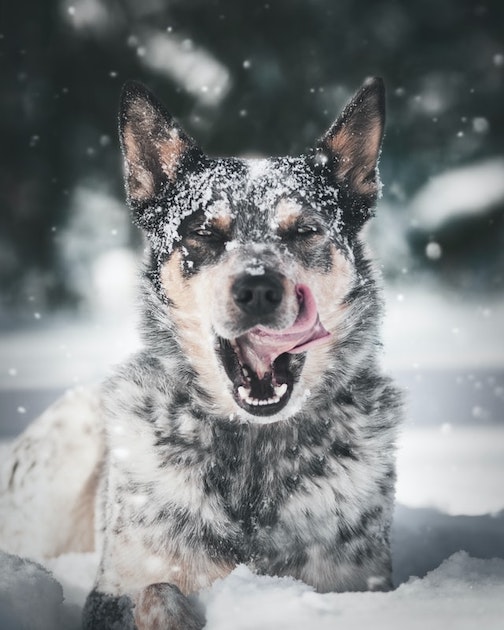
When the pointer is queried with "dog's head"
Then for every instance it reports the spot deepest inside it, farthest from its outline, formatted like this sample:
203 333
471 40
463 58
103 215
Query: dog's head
253 260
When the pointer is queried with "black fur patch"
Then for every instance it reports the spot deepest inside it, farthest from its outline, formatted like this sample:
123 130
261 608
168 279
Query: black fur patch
107 612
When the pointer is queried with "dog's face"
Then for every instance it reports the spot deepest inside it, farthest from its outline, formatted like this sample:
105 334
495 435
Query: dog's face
253 259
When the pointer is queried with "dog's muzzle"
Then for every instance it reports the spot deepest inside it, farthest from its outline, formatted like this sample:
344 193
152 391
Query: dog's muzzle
264 363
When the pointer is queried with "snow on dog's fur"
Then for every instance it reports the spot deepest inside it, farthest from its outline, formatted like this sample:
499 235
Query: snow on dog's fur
255 427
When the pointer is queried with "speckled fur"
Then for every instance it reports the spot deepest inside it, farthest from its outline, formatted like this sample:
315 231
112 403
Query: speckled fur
192 483
195 485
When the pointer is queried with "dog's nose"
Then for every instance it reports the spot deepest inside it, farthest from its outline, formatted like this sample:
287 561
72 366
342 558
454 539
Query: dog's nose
257 295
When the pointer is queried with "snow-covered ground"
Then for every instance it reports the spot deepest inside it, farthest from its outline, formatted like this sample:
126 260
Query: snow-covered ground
449 522
463 593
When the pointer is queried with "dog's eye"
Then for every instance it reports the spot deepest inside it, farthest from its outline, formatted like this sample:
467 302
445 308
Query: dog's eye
204 233
307 230
207 234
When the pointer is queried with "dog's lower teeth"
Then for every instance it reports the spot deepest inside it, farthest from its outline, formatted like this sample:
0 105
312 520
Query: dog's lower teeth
244 394
255 402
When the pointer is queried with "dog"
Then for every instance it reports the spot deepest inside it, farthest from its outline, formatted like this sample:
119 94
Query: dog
256 425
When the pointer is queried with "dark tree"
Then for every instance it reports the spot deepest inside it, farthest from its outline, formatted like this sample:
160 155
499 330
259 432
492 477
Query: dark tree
286 68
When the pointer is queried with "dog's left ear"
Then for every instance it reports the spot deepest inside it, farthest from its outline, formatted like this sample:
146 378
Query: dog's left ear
153 145
352 145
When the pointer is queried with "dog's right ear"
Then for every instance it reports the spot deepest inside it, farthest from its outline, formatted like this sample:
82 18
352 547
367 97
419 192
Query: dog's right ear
354 141
152 143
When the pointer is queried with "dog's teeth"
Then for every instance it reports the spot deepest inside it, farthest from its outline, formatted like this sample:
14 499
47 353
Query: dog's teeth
280 390
256 402
244 393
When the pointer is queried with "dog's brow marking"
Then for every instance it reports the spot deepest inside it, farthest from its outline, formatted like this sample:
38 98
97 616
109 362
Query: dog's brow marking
219 215
222 223
287 213
198 194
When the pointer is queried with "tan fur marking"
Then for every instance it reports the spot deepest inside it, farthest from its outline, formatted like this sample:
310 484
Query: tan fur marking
287 213
353 149
139 180
193 300
193 574
150 613
222 221
329 291
134 565
168 146
82 536
161 607
170 153
341 141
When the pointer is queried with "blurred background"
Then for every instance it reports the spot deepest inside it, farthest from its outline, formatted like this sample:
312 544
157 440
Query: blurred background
254 78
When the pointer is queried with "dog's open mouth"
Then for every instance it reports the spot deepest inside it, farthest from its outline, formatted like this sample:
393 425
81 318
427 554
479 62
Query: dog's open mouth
260 363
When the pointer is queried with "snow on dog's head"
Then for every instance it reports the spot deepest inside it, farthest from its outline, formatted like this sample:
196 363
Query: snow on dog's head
254 262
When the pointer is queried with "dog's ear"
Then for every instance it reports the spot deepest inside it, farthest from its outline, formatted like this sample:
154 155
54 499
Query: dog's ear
352 145
152 143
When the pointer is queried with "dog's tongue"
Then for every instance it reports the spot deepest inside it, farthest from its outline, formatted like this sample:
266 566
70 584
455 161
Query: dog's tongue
261 346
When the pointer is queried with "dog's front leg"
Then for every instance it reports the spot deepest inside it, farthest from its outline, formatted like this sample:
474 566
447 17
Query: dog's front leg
139 586
156 607
164 607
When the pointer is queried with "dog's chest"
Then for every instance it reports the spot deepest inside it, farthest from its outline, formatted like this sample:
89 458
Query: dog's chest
197 486
247 493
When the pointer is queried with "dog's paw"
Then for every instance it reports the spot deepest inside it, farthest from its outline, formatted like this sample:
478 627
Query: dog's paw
107 612
164 607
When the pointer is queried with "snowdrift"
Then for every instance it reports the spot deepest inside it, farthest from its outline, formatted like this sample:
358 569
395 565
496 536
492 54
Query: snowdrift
463 593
